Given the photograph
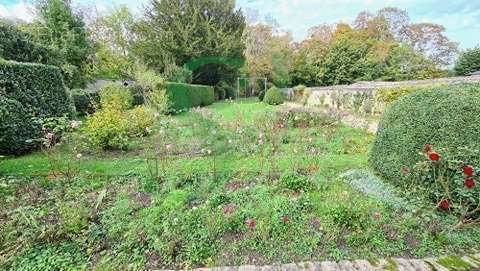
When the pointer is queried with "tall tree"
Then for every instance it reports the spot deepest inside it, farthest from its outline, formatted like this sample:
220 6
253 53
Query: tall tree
468 62
63 30
181 31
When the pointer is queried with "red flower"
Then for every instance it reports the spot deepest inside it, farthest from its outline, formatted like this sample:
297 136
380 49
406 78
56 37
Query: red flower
469 183
229 209
427 148
433 156
250 223
468 170
285 219
444 204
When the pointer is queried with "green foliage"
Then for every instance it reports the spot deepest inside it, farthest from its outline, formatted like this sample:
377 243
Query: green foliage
261 95
85 101
151 87
217 30
18 130
273 97
18 46
115 96
140 119
390 95
298 90
61 30
138 94
468 62
108 64
224 91
296 182
446 117
39 88
185 96
176 74
108 128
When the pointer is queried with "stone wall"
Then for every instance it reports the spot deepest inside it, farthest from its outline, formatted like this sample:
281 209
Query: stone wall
326 95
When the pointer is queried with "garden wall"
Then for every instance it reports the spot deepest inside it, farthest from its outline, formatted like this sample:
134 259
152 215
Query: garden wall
329 96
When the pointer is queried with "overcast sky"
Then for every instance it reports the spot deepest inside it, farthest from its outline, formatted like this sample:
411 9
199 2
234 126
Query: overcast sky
460 17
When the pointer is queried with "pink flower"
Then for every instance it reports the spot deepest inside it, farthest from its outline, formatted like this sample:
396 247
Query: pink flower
168 147
250 223
50 137
285 219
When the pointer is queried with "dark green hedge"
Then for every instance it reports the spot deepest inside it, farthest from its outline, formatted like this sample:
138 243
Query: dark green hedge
185 96
18 130
445 117
28 91
39 88
85 101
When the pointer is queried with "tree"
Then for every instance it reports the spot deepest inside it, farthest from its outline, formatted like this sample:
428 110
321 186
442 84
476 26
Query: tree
181 31
268 54
62 30
113 37
19 46
468 62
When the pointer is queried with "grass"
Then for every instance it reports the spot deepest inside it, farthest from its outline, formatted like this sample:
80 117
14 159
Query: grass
242 184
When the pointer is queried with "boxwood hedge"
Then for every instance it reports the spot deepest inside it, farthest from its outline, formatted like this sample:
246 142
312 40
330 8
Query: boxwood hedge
18 129
184 96
39 88
28 91
446 117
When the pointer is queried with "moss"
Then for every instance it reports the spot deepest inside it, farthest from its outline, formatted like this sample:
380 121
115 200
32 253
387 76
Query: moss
455 263
391 265
374 262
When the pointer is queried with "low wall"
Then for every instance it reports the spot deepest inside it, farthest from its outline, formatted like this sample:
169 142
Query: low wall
328 96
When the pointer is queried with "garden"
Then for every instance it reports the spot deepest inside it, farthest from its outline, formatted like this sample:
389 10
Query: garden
175 164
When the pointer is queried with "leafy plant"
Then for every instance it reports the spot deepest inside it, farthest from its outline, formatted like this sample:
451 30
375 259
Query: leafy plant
140 120
273 97
115 97
108 128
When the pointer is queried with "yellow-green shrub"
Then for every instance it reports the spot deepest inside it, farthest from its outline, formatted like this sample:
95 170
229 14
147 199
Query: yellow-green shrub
116 97
140 119
390 95
108 128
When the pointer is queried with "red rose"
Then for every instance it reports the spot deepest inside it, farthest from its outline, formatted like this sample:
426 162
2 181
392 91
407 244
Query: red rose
285 219
468 170
469 183
427 148
444 204
229 209
250 223
433 156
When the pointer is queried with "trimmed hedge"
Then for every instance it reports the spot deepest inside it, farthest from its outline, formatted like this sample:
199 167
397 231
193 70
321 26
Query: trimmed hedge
18 130
185 96
445 118
28 91
39 88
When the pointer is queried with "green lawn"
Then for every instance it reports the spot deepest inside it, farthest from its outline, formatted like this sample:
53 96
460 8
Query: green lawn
239 183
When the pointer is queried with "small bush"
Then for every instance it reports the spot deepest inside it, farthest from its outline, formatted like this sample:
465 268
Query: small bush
296 182
85 102
17 128
116 97
174 73
108 129
261 95
137 94
444 117
140 119
274 97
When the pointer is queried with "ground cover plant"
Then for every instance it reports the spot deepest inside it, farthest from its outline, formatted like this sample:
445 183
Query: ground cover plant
192 192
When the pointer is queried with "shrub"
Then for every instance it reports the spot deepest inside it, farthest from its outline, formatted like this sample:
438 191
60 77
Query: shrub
296 182
39 88
184 96
390 95
298 90
85 102
224 91
174 73
468 62
137 94
152 89
140 119
108 129
273 96
444 117
17 128
115 96
261 95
